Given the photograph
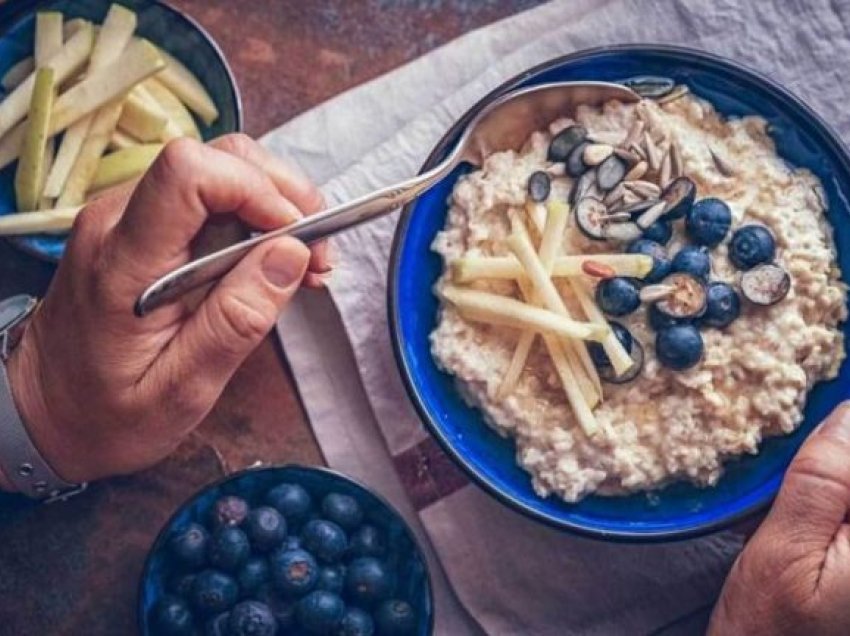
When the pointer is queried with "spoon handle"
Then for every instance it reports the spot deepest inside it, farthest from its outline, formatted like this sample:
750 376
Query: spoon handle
212 267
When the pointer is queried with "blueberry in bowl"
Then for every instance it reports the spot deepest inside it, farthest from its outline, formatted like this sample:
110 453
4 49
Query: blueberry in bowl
266 573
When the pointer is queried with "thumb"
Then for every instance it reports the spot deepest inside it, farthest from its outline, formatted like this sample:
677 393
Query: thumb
815 495
235 317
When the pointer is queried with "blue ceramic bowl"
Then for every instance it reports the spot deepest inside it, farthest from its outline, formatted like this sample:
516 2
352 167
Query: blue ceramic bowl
681 509
163 25
413 582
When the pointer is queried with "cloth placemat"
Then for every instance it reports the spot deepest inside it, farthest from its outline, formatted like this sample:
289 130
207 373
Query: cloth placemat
493 569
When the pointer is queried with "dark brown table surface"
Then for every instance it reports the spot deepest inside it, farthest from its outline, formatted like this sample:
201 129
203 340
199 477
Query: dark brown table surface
73 568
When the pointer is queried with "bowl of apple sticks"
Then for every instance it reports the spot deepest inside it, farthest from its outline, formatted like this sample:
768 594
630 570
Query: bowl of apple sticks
90 92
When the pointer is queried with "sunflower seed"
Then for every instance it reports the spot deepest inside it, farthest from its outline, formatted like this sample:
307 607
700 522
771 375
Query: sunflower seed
650 85
677 164
652 215
606 137
638 150
629 157
680 91
634 134
614 195
652 152
617 217
630 198
654 293
585 186
556 170
637 171
635 208
666 172
723 166
644 189
594 154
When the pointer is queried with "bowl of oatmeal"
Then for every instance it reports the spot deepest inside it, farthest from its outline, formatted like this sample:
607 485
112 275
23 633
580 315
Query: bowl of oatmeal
649 373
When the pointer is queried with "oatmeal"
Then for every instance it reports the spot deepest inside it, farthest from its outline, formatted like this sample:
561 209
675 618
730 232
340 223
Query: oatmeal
723 363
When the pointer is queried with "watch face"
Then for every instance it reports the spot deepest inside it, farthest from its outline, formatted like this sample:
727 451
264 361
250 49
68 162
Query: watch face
14 308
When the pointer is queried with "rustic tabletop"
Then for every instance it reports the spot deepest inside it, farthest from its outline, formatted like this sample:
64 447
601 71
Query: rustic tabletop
73 568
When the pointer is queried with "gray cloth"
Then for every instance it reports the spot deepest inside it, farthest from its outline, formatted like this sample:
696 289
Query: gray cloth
495 570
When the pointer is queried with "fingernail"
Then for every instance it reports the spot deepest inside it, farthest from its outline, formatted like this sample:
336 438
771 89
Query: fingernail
285 264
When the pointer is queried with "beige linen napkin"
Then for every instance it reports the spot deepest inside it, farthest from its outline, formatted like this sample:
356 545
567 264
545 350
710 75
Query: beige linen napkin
495 570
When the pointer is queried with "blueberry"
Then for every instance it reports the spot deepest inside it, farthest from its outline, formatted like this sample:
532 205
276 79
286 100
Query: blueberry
325 539
292 542
342 510
217 626
251 618
750 246
564 142
214 592
293 572
659 320
723 305
679 347
539 186
189 546
367 581
228 511
182 585
660 260
356 622
229 549
367 540
171 616
661 231
708 222
265 527
692 260
283 609
617 296
292 501
395 618
597 352
331 578
252 575
320 612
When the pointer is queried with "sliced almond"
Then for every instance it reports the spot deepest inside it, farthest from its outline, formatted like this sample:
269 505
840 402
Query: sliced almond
637 171
594 154
607 137
629 157
723 166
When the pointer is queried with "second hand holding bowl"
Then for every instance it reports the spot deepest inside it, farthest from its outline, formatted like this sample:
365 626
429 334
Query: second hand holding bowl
503 125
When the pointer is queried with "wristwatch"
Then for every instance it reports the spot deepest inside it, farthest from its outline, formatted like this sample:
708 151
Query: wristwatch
20 460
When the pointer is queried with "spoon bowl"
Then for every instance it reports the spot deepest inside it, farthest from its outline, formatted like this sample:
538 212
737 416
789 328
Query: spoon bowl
504 124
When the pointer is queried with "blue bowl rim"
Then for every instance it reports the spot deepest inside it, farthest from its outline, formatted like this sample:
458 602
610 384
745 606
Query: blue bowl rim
621 536
235 93
161 536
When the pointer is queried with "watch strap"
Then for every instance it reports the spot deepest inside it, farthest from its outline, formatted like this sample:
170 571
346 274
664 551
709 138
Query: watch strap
20 460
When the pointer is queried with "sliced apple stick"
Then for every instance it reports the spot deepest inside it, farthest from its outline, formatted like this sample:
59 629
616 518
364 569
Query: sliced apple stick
72 27
69 150
124 165
139 61
85 167
48 35
482 306
18 73
49 157
471 268
114 36
173 107
172 129
183 83
29 176
121 141
64 63
142 121
544 288
620 358
56 221
582 410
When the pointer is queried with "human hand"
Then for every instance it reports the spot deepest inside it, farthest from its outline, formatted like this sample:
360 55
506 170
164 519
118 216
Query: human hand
793 577
103 392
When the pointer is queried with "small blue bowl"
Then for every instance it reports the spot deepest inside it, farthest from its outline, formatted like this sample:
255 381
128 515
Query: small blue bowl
163 25
413 582
681 509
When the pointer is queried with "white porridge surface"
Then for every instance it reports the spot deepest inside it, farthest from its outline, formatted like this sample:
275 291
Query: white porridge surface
755 374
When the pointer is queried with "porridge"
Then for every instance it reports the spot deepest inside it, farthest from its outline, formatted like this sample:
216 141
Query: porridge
675 314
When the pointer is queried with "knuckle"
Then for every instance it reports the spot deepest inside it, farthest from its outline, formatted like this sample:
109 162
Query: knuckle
177 158
238 144
245 323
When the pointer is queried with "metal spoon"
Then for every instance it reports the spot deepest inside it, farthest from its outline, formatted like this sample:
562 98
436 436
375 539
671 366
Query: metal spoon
504 124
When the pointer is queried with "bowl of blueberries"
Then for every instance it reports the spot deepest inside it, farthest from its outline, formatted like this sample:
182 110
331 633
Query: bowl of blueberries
285 550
